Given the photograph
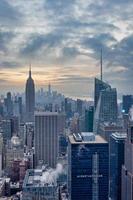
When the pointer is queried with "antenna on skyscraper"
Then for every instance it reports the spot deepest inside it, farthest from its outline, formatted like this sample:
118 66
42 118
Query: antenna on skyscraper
30 70
101 65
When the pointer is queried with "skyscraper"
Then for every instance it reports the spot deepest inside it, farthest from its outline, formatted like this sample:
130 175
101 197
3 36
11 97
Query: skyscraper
127 103
89 115
106 110
88 161
99 86
116 155
30 98
127 169
47 130
9 105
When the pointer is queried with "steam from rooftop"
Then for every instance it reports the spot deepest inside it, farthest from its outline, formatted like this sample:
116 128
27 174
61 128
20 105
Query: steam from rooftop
51 175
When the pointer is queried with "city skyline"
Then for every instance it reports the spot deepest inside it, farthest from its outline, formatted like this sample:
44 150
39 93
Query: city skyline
64 47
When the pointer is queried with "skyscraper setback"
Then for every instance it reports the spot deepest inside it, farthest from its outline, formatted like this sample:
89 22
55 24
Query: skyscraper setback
30 98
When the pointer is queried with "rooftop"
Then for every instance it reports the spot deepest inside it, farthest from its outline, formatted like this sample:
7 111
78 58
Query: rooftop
119 135
42 113
86 138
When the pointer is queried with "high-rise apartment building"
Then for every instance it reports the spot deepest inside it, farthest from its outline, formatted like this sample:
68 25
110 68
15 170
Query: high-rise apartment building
88 167
47 129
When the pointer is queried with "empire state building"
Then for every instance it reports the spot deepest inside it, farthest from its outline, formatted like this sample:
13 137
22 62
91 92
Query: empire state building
30 98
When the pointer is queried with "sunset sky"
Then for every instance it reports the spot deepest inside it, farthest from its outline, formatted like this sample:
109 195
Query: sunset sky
62 41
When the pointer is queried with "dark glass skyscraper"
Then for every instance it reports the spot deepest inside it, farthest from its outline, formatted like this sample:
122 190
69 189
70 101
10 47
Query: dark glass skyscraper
30 98
89 115
88 163
127 169
99 86
127 103
106 110
116 154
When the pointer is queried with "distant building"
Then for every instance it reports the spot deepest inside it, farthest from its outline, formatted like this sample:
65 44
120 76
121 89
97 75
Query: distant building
127 169
107 128
14 151
6 129
88 167
38 185
79 106
116 155
30 98
47 130
127 103
2 187
9 105
1 153
89 115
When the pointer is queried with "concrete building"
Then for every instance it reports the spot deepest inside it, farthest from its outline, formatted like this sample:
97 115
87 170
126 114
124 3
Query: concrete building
47 131
88 167
14 150
40 184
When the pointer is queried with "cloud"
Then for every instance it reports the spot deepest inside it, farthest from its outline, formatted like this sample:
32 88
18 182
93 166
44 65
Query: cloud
37 41
8 14
7 64
5 38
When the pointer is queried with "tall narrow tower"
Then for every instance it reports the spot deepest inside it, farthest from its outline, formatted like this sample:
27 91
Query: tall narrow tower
101 65
30 98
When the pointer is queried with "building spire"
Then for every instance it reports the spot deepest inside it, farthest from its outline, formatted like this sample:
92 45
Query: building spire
30 71
101 65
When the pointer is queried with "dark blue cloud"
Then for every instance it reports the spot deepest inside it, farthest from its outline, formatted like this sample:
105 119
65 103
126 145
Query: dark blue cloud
7 64
36 41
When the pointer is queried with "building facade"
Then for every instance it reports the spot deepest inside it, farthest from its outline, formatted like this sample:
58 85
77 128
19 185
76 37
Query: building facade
106 110
46 140
88 171
116 155
89 115
127 169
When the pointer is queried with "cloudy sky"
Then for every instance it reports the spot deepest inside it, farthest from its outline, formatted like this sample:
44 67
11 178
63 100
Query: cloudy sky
62 41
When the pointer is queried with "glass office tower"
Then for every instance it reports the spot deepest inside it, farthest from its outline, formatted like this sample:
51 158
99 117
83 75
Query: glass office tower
88 161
